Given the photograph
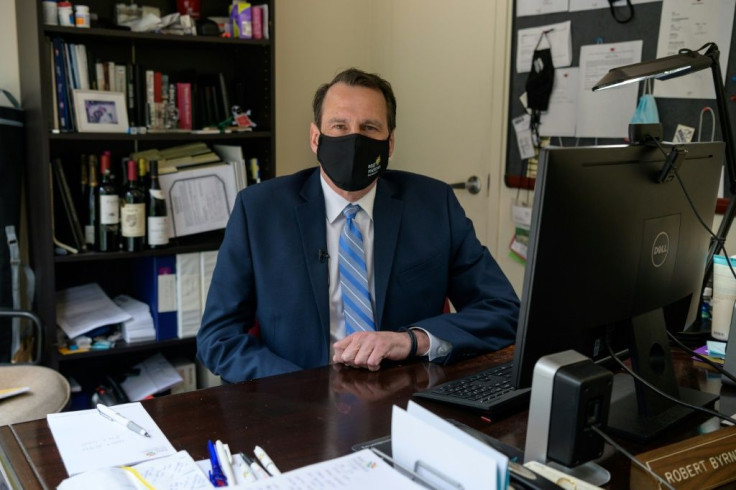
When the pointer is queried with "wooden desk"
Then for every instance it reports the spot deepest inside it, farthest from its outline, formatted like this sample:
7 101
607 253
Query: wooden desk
310 416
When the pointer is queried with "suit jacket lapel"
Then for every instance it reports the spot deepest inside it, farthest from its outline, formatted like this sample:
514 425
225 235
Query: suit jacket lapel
311 218
387 212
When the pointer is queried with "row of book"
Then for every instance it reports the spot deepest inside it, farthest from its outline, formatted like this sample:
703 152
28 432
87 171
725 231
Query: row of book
153 99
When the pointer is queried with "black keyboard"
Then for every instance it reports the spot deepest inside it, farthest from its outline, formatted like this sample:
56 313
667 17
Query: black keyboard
490 390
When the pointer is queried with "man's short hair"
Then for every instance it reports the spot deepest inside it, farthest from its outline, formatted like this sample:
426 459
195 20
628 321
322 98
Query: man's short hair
356 77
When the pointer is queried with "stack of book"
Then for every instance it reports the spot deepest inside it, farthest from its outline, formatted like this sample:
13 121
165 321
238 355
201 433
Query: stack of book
179 157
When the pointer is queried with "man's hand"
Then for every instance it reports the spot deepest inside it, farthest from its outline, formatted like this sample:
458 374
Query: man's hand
368 349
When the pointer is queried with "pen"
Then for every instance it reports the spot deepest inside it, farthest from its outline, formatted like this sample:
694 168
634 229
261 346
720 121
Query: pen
111 414
225 459
257 469
248 474
216 476
266 461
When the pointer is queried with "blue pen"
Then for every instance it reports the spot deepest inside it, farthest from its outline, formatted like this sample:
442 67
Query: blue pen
216 476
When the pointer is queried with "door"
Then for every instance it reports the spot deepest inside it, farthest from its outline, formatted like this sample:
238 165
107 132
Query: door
448 69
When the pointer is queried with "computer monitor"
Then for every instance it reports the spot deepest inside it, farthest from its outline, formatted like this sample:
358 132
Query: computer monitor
612 249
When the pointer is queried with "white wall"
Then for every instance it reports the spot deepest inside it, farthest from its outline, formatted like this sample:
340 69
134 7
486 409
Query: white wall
9 77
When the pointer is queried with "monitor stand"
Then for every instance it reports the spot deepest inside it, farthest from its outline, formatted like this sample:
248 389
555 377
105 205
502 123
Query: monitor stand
625 420
637 412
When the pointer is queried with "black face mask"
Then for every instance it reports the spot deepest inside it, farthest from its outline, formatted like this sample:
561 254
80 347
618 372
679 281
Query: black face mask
352 161
541 80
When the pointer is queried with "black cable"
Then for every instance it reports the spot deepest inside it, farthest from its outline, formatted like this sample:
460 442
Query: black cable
633 459
662 393
714 365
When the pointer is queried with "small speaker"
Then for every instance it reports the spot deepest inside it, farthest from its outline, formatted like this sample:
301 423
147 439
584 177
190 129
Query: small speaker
570 393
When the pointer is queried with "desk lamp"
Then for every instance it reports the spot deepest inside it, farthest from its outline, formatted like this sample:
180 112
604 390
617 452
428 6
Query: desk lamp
687 61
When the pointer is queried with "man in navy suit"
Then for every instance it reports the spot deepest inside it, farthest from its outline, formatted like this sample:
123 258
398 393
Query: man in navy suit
276 304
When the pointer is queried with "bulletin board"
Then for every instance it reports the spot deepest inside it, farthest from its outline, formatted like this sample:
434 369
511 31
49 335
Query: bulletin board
599 26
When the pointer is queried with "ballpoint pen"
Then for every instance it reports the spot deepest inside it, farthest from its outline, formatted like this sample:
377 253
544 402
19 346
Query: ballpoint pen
216 476
111 414
257 469
244 467
266 461
225 459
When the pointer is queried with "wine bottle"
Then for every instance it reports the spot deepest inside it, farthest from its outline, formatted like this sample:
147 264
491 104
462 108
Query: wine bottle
90 225
143 178
158 220
133 212
108 207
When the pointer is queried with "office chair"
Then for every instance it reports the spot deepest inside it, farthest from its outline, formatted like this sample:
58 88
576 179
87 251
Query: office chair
49 391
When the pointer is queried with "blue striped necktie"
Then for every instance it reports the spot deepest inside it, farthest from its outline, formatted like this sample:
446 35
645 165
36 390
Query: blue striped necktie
356 297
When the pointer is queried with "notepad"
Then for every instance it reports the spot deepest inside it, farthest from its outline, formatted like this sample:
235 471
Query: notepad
178 471
87 441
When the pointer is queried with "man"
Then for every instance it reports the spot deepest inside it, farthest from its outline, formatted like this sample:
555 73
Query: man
350 262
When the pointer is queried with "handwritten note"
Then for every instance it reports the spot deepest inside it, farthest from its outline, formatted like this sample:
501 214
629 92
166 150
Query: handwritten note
86 440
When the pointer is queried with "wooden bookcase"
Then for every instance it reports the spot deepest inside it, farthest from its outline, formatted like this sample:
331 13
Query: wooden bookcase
250 63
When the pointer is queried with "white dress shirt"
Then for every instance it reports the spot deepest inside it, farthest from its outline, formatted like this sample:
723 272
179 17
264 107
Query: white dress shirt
334 205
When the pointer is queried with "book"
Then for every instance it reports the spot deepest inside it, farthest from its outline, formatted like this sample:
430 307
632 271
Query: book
190 160
207 261
154 280
188 294
63 101
68 203
188 371
184 104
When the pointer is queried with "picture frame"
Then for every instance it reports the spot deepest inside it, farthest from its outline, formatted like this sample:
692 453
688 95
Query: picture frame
100 111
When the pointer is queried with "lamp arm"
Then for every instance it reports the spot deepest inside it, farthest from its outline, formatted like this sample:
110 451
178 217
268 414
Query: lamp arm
727 135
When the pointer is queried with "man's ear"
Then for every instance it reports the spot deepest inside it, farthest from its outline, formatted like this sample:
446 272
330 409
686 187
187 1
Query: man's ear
313 137
391 143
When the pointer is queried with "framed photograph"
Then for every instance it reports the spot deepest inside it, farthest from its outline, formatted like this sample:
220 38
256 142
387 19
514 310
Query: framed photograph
99 111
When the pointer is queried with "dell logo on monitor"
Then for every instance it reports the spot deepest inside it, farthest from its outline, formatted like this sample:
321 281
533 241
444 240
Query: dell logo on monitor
660 248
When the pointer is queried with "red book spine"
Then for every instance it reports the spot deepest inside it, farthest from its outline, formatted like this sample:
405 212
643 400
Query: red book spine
257 13
157 87
184 104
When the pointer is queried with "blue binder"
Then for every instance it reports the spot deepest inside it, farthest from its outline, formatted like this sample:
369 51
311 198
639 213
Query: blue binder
155 284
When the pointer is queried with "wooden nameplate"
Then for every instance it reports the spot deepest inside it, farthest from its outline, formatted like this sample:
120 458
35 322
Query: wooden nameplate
701 462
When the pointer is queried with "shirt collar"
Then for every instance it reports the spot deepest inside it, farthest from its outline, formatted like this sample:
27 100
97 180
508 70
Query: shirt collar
335 203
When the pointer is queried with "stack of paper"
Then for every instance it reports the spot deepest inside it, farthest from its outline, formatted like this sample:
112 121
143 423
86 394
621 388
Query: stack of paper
155 375
84 308
421 442
140 328
86 440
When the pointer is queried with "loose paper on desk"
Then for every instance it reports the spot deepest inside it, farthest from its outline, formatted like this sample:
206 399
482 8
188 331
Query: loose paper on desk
617 104
155 374
175 472
84 308
86 440
362 470
688 24
442 454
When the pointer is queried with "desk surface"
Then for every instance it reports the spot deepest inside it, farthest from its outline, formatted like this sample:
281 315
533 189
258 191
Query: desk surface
314 415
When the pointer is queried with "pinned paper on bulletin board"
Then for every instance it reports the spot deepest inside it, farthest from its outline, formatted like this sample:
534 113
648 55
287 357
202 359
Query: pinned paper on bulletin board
521 214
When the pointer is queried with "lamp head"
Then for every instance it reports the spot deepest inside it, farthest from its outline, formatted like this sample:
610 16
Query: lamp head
682 63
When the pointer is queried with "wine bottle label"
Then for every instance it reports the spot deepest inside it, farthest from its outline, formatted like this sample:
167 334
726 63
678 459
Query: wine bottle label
158 230
133 217
89 234
109 210
157 193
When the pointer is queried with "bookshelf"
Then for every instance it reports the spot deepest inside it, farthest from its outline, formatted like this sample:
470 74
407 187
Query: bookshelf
247 68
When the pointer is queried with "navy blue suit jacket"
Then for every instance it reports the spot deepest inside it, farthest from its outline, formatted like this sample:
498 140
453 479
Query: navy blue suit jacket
269 269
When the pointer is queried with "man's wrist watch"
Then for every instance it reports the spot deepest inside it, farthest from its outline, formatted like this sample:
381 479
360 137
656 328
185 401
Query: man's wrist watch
413 339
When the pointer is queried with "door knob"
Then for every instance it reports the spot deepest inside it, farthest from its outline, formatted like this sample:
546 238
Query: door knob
472 185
